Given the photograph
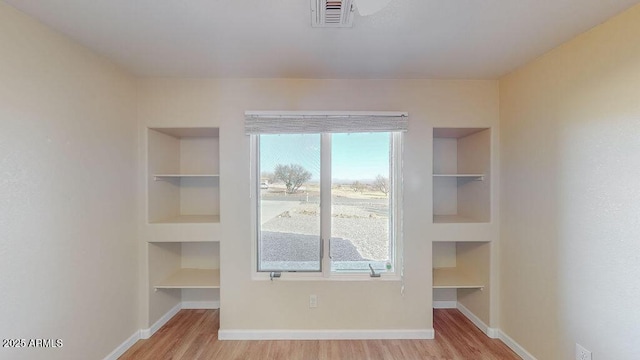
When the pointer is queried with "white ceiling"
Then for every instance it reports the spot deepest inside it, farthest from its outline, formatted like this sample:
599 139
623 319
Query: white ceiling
274 38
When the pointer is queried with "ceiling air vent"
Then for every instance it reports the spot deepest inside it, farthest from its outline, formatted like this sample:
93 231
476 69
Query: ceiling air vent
331 13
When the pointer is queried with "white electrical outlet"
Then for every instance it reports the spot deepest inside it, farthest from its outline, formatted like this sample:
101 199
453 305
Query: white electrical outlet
313 301
582 353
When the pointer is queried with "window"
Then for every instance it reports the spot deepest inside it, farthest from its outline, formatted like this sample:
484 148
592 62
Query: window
328 200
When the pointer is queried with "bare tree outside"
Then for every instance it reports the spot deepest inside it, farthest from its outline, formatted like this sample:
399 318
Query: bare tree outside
292 175
381 183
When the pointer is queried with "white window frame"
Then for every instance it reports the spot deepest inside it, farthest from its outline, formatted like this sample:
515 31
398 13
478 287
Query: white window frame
395 228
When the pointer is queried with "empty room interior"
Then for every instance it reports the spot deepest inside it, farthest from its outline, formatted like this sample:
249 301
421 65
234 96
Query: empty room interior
316 179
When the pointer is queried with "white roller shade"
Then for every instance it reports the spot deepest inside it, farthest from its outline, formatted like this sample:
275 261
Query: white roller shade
271 122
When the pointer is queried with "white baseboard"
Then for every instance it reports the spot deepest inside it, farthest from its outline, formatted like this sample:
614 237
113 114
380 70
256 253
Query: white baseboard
495 333
445 304
491 332
513 345
325 334
201 305
115 354
146 333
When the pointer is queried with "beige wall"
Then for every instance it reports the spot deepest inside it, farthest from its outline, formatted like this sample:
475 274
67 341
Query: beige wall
68 256
248 304
570 148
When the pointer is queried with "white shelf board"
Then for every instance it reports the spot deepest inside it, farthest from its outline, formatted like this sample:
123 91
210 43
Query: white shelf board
454 219
186 175
190 219
182 240
480 176
455 133
189 132
192 279
159 177
451 278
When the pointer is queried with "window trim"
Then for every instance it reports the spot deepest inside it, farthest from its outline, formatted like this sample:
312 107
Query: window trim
325 273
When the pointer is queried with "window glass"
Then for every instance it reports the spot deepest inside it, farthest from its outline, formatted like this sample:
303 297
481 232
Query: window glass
289 203
360 198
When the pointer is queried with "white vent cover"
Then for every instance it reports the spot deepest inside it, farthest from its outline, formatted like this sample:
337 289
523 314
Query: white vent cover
332 13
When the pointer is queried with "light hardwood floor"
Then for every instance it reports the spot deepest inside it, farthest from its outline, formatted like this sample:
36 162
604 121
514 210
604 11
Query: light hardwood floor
193 334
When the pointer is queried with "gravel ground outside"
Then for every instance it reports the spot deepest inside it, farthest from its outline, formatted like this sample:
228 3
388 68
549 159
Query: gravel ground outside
359 232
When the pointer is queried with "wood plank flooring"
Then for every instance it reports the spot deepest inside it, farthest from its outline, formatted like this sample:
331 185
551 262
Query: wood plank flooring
193 334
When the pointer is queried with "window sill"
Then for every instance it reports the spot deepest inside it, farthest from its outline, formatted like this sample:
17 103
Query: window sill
299 276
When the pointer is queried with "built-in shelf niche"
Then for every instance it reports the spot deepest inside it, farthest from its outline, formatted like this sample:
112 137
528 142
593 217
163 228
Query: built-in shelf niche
461 175
183 175
192 267
460 265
